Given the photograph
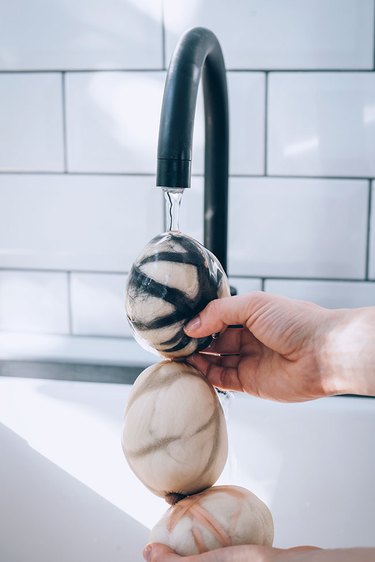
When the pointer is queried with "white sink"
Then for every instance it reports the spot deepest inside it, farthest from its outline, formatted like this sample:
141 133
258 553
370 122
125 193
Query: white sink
67 493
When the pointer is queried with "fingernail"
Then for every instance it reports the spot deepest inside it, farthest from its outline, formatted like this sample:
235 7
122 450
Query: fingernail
193 324
147 552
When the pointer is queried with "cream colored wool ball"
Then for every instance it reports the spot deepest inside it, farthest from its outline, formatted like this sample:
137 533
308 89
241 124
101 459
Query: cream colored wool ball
174 436
220 516
173 279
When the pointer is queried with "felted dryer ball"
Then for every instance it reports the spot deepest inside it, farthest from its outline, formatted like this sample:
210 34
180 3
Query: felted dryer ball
220 516
173 279
174 436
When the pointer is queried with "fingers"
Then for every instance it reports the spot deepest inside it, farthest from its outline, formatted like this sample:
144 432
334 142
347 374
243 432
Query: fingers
226 311
219 375
229 341
161 553
303 548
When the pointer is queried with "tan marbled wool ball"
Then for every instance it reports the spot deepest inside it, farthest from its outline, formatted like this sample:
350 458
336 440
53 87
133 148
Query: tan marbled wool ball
218 517
174 435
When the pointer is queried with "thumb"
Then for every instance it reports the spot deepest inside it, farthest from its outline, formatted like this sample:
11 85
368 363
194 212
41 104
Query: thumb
227 311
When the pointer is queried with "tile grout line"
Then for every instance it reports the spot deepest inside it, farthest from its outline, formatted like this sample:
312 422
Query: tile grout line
164 62
195 175
368 236
370 70
81 70
65 145
304 70
72 173
266 85
238 276
70 304
62 271
75 336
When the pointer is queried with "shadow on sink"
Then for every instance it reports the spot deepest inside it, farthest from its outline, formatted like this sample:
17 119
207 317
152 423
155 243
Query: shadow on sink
49 515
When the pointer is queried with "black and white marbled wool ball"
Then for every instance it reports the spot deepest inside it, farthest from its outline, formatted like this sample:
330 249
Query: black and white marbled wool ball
173 279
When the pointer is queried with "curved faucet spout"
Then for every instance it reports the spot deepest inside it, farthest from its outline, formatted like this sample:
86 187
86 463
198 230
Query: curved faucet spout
198 54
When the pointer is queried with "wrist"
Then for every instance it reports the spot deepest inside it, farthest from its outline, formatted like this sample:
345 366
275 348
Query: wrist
347 356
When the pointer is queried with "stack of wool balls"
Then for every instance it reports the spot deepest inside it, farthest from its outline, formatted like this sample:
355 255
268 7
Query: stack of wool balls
174 436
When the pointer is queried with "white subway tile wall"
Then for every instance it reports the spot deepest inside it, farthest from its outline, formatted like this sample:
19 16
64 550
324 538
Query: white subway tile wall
70 35
76 222
34 301
372 235
80 96
112 121
245 285
31 123
246 93
280 35
98 304
298 228
331 294
321 124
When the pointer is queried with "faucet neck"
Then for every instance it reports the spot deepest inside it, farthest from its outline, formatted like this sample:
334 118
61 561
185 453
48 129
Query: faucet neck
197 55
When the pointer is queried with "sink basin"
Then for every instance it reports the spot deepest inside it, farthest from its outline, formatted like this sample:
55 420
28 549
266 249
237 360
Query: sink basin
68 494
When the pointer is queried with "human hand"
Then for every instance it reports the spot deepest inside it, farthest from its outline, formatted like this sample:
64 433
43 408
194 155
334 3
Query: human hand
161 553
287 350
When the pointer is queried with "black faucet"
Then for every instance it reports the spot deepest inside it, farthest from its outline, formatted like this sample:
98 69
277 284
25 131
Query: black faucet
198 53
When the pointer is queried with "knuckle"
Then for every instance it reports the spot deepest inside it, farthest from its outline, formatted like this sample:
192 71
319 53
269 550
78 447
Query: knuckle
214 305
212 309
259 297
